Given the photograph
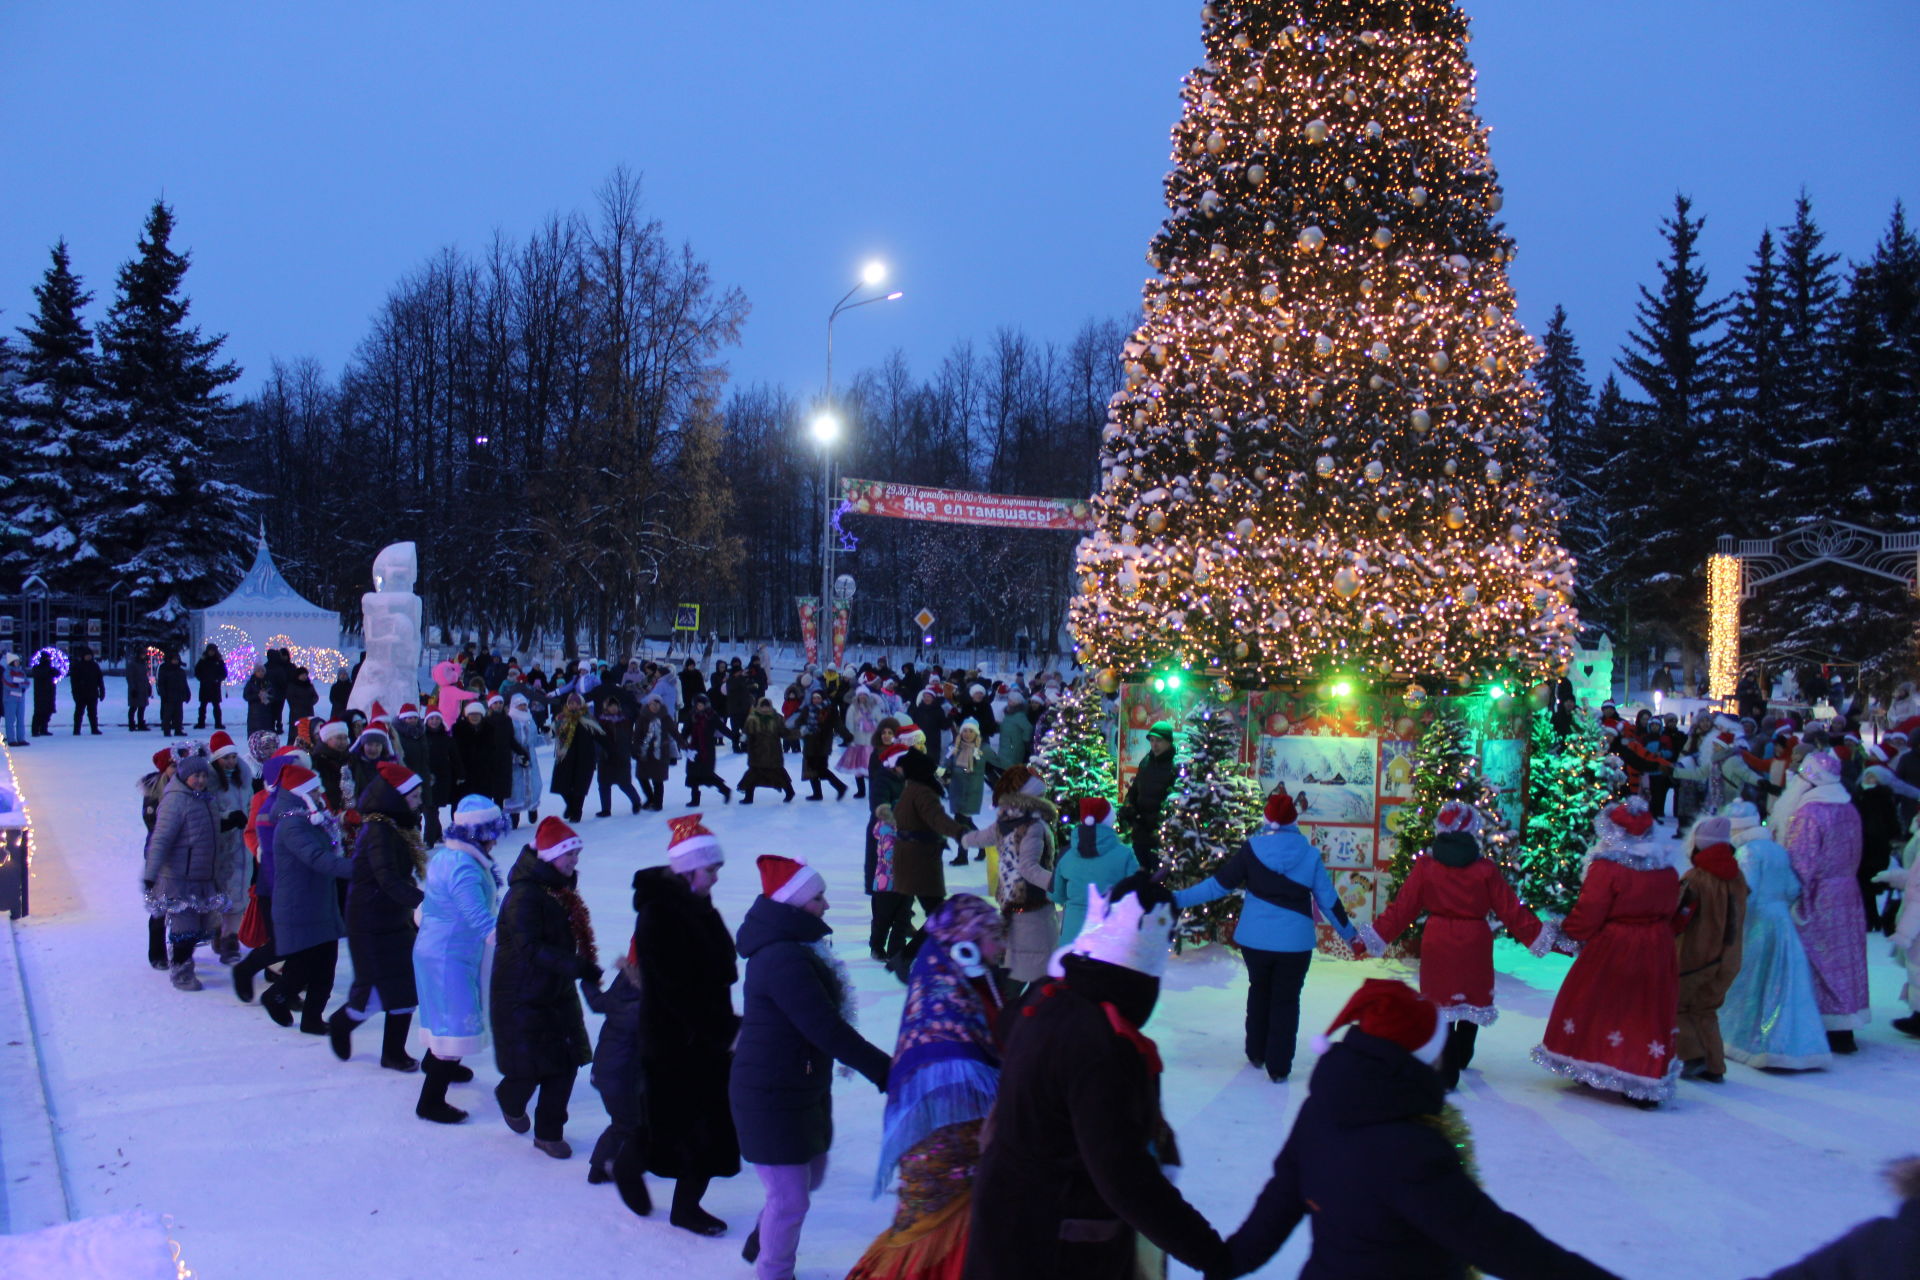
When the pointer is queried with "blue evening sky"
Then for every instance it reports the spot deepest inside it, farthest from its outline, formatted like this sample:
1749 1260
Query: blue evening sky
1005 157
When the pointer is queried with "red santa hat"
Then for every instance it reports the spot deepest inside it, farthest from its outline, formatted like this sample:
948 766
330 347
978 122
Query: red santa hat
691 846
297 752
1391 1010
399 777
1457 815
789 880
1094 811
299 779
408 711
433 713
554 839
377 712
1281 811
911 736
373 731
161 759
221 744
331 729
495 700
1630 818
891 753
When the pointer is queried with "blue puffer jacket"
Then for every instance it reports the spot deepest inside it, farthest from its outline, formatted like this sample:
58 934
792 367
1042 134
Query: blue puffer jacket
791 1032
307 860
1279 871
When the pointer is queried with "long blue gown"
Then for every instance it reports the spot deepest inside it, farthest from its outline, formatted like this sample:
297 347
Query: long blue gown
1771 1018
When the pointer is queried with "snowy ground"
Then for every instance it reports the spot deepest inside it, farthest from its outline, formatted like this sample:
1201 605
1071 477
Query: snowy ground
272 1159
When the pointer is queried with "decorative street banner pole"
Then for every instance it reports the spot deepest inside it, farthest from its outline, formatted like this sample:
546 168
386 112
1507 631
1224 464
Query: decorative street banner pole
810 626
959 506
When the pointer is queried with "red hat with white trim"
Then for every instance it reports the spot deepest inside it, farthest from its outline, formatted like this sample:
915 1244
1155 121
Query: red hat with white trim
408 711
789 880
331 729
299 779
1094 811
221 744
1280 810
373 731
911 736
692 846
161 759
891 753
377 712
398 776
554 839
1389 1009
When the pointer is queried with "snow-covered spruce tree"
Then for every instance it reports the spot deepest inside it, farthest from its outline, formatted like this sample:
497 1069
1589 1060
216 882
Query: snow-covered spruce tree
1074 756
1214 806
55 447
1325 455
175 526
1568 780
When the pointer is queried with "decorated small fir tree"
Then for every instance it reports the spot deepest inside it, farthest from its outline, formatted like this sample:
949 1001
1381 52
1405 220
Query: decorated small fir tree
1215 805
1325 455
1568 780
1445 768
1075 756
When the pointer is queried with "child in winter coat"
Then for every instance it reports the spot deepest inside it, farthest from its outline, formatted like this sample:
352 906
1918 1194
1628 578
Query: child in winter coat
1100 860
1456 890
1713 904
1283 878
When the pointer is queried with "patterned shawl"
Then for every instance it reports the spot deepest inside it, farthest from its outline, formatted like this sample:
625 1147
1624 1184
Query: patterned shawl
946 1069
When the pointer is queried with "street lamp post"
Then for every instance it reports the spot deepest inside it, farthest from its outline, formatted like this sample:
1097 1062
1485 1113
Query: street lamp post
826 431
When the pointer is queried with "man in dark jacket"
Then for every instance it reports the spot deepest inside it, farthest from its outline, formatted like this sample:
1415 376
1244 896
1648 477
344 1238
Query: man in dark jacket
1370 1158
174 694
307 859
279 676
545 946
211 672
1074 1168
381 897
44 687
1147 795
88 684
139 688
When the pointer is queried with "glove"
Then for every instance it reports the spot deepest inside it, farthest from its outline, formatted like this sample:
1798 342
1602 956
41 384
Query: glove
590 973
235 821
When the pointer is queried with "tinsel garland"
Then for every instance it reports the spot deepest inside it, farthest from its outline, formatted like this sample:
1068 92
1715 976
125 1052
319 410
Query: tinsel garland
1452 1124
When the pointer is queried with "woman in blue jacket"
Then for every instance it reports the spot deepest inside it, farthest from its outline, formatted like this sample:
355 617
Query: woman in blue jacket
1282 876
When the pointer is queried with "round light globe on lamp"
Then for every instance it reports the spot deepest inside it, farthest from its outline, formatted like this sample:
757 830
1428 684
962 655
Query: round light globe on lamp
825 427
874 272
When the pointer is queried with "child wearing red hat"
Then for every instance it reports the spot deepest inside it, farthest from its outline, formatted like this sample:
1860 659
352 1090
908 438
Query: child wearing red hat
545 945
798 1008
1456 889
1372 1159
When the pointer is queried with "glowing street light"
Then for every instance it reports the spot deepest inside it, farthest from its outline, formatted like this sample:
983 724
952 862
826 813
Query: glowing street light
825 428
874 272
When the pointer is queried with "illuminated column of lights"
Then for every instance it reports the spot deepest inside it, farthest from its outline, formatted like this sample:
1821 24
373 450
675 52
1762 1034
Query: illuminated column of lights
16 843
1723 626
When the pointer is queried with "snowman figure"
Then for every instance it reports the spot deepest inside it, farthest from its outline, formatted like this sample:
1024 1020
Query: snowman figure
390 622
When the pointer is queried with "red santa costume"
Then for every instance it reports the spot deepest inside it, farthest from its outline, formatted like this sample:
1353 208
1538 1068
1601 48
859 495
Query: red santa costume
1614 1022
1457 890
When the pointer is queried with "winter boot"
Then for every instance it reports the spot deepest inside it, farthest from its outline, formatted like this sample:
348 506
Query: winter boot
393 1044
518 1123
789 799
157 943
750 1251
1909 1025
816 791
275 1003
433 1103
453 1069
687 1213
1842 1042
839 789
182 967
555 1147
340 1031
726 794
513 820
229 948
860 787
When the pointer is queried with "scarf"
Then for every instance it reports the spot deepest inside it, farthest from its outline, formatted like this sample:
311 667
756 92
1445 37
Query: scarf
408 837
946 1069
1717 860
578 920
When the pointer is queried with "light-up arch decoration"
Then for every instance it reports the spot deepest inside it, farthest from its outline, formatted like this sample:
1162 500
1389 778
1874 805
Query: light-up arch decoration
1740 567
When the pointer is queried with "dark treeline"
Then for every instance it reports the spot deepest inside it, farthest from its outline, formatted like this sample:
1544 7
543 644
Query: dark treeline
1792 397
549 420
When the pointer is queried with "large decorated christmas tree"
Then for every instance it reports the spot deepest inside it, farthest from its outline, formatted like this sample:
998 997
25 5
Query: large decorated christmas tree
1325 455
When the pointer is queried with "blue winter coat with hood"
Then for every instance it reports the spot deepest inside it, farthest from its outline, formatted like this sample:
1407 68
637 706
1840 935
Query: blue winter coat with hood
791 1032
1281 873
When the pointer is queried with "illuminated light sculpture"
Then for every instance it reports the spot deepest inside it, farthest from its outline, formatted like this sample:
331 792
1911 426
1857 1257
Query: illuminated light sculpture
1723 626
236 650
57 657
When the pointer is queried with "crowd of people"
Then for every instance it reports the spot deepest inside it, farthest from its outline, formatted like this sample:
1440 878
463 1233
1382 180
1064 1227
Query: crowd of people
1022 1127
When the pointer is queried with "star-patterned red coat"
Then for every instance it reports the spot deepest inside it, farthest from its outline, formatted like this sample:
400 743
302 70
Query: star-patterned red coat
1614 1021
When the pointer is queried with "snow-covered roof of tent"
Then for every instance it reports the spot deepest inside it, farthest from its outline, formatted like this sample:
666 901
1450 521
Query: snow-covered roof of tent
264 605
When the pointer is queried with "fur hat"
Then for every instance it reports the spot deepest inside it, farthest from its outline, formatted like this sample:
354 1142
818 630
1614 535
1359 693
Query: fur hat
691 846
477 820
1389 1009
1132 928
1820 768
789 880
554 839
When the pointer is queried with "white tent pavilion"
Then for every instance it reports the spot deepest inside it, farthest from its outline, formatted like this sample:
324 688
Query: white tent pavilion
263 613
